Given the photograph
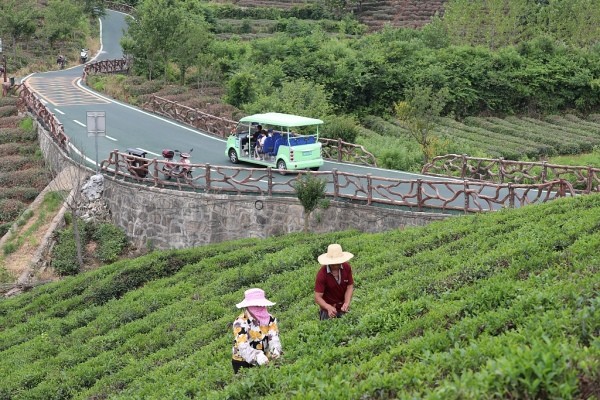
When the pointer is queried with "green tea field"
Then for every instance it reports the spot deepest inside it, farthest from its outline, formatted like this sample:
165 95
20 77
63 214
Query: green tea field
504 305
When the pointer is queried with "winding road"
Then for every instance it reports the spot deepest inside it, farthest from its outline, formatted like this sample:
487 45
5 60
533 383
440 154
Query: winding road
64 93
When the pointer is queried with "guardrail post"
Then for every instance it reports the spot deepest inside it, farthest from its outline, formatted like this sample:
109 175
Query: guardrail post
155 172
116 153
588 186
369 189
420 194
207 167
336 184
501 169
511 196
339 145
562 188
463 171
270 181
466 191
544 171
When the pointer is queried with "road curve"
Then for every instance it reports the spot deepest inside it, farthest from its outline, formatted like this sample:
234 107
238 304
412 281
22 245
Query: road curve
127 126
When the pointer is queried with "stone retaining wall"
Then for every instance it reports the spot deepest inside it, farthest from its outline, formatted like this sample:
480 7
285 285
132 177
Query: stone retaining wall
167 218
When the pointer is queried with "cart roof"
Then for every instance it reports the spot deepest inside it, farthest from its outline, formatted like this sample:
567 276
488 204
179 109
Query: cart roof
280 119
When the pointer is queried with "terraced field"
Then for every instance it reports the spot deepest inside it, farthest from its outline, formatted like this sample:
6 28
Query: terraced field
493 306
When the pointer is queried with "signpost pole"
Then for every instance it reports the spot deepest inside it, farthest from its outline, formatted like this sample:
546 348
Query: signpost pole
96 126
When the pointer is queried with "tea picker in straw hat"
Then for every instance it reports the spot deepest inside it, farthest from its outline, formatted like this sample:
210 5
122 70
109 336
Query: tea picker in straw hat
334 284
255 332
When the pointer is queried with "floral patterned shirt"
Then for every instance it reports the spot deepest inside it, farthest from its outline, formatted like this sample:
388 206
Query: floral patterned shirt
252 339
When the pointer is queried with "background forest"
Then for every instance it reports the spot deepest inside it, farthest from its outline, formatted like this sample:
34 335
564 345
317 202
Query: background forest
388 89
496 58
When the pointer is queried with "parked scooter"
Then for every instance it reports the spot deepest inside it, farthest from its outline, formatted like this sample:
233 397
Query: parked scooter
180 169
83 56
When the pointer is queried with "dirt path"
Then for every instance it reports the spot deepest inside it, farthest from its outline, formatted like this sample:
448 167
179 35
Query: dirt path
28 243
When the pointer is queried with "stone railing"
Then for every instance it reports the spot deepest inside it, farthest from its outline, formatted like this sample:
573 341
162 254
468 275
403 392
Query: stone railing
416 194
336 150
30 102
584 180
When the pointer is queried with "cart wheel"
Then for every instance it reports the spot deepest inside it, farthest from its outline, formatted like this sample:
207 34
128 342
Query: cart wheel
233 157
281 166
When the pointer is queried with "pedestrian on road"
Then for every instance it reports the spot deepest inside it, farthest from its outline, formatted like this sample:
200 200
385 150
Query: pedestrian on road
334 284
255 332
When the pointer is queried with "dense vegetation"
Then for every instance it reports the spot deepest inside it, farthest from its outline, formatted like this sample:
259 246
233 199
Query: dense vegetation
36 32
499 305
22 172
492 59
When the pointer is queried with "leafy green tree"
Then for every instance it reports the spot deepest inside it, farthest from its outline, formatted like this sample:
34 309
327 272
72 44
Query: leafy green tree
301 97
154 33
62 19
240 89
310 190
418 114
343 127
18 20
194 39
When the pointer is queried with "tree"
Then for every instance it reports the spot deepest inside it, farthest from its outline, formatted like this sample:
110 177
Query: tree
18 20
418 115
194 40
152 34
61 20
300 97
310 190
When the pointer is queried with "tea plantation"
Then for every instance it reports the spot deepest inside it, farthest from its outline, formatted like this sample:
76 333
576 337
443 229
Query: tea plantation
490 306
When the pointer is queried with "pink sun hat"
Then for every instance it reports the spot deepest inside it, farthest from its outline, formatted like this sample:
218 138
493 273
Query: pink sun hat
254 297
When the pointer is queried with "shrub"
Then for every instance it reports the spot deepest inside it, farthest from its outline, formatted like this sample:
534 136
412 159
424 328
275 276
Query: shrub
8 111
10 122
343 127
111 242
4 228
36 177
16 135
10 209
14 163
64 253
22 193
27 125
145 87
8 101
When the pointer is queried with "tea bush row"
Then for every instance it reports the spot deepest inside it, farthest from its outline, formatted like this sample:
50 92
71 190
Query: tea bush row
110 243
485 306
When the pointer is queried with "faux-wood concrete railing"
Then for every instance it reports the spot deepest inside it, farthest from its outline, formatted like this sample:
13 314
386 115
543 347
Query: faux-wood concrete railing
584 180
418 194
29 101
333 149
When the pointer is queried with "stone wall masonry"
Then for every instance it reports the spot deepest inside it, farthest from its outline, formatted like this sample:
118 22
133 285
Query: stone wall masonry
167 219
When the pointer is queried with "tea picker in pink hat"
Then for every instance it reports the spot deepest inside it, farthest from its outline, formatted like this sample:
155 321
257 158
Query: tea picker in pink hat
334 283
255 332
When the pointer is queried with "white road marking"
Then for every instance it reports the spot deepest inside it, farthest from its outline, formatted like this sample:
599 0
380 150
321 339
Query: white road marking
111 138
149 152
58 111
79 123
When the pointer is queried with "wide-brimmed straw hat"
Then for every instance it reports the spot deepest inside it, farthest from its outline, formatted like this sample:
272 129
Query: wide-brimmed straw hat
334 255
254 297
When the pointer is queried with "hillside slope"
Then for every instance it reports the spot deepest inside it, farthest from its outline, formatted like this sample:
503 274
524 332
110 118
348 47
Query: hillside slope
501 305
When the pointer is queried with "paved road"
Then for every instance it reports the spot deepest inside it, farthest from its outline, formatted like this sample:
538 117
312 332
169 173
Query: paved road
127 126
